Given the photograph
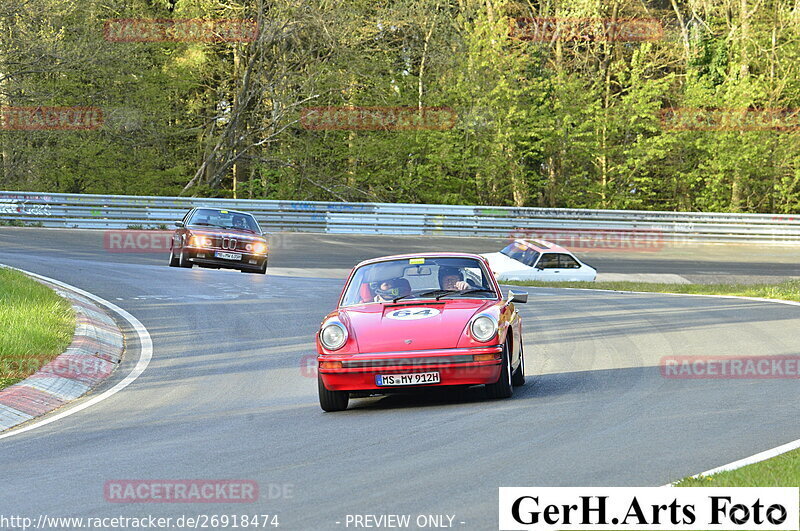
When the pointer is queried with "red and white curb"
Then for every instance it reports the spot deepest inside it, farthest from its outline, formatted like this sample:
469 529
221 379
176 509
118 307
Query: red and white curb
94 353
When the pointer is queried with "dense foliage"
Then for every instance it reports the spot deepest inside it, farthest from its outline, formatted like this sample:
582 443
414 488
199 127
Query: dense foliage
561 122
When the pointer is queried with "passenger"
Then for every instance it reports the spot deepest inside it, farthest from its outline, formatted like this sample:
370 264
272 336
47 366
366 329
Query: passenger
388 290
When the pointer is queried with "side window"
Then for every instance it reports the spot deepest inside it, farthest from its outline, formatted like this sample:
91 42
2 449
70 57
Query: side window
567 262
549 261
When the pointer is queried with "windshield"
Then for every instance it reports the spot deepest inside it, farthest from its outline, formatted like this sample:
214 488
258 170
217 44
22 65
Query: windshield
226 219
521 253
418 278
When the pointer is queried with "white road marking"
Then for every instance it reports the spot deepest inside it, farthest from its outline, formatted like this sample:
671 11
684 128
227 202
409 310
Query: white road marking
145 355
664 278
756 458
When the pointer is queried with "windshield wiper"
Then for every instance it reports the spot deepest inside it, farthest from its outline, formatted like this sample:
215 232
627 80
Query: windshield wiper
209 225
465 291
421 295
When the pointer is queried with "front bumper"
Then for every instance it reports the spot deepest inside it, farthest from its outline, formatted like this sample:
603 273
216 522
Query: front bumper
205 256
455 367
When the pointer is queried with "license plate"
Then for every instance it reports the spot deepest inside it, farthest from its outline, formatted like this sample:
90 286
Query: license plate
417 378
228 256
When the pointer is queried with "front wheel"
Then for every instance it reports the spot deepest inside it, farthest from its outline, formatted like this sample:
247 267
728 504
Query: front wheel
331 400
518 376
261 270
502 388
183 260
173 260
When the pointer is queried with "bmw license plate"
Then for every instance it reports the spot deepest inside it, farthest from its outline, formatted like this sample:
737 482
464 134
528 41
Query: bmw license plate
417 378
228 256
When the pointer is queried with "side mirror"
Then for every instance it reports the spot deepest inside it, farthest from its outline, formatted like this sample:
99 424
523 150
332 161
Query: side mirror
518 296
179 224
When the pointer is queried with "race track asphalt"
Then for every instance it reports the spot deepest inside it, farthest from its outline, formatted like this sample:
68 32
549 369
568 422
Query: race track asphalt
228 394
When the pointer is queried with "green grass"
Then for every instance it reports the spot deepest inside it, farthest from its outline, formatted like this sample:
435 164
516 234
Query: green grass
788 290
780 471
36 325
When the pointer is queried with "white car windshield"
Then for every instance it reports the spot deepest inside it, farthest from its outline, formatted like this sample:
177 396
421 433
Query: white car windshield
419 278
521 253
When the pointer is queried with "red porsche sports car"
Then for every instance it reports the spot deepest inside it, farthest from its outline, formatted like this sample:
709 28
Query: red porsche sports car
420 320
219 238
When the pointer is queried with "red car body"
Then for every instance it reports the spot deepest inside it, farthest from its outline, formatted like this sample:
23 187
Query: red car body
377 345
219 247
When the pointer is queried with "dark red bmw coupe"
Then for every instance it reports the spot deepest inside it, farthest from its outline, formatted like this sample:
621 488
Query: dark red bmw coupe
218 238
420 320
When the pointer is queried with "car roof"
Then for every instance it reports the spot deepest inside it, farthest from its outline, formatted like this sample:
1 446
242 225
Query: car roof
542 246
225 209
422 255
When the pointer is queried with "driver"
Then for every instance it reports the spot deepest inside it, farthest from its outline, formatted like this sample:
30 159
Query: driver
451 279
239 222
388 290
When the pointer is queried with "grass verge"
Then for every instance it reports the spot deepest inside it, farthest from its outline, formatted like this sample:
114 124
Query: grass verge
788 290
36 325
779 471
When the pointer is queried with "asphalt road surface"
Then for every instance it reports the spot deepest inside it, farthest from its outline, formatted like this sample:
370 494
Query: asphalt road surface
228 394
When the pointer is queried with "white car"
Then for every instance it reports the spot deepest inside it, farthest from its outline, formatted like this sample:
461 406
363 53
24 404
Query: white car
538 260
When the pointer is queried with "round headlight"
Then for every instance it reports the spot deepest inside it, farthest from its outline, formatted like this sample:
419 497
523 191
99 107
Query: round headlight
333 336
259 248
201 241
483 328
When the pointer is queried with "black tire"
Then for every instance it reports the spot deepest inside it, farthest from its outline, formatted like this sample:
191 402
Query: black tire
261 271
518 376
502 388
173 260
332 400
183 260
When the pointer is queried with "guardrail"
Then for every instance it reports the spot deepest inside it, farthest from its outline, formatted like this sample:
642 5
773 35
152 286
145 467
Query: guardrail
121 212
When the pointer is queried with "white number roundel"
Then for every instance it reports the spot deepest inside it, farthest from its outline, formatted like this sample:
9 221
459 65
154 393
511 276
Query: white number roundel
410 314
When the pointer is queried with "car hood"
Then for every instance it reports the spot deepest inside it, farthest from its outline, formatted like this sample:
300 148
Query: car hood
418 325
501 263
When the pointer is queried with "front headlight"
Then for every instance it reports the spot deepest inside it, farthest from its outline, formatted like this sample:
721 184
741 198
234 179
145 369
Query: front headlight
256 248
333 336
201 241
483 328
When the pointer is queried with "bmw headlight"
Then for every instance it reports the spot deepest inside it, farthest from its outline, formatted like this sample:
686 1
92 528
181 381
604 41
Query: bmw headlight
333 336
483 328
259 248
